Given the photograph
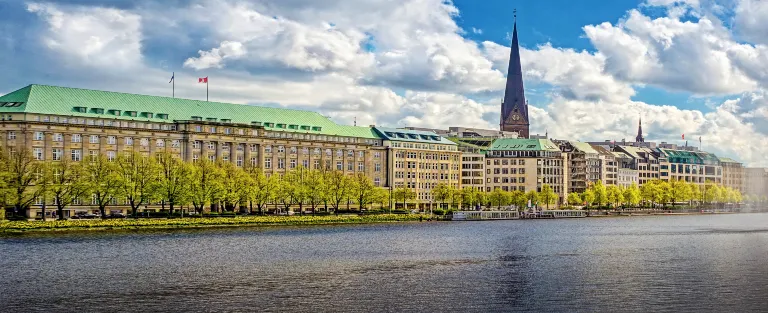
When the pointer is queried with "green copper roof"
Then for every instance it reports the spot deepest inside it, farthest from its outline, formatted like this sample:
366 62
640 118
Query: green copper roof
517 144
408 135
727 160
63 101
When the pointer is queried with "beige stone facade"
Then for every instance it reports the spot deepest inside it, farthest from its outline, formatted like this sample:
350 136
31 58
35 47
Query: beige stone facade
56 138
421 166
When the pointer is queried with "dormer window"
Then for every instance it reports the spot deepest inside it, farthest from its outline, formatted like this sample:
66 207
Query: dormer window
81 109
226 120
147 114
115 112
254 123
210 119
293 126
280 125
97 110
269 125
197 118
317 128
162 116
305 127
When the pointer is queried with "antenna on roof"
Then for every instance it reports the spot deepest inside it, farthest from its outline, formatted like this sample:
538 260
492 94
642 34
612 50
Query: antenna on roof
355 121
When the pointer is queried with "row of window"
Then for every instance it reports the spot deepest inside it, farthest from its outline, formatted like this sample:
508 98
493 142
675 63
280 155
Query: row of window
199 128
411 145
425 156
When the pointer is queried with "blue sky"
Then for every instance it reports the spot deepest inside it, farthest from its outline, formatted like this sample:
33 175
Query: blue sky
590 67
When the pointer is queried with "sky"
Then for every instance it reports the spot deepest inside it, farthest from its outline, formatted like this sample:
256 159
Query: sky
592 68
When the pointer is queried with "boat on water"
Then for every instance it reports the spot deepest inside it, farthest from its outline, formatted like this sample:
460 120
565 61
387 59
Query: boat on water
484 215
564 213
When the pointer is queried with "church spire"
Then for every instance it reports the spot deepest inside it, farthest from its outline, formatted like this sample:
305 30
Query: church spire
639 137
514 109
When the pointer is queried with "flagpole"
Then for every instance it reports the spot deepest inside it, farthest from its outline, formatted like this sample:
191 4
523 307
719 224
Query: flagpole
173 93
206 89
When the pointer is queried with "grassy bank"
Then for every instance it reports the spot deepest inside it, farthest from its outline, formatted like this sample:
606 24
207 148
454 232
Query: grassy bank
79 225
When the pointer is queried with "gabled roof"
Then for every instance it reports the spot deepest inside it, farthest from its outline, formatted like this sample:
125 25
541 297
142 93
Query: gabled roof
408 135
63 101
583 147
519 144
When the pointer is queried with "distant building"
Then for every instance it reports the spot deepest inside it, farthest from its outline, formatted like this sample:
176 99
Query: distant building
733 174
756 182
608 166
584 164
525 165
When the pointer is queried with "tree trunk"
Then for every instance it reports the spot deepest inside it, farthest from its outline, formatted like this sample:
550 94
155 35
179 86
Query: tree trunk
59 211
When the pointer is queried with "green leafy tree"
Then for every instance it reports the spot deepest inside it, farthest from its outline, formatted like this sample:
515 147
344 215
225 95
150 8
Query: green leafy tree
588 196
441 193
574 199
363 190
234 186
649 191
382 197
499 197
22 172
471 197
104 181
263 189
317 189
139 179
285 192
532 196
632 195
547 195
67 183
518 199
175 180
402 195
456 197
339 188
615 195
601 194
206 184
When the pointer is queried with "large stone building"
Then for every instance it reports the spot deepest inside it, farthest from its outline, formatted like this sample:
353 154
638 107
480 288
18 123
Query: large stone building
514 108
420 160
584 165
525 165
694 167
608 166
733 174
57 123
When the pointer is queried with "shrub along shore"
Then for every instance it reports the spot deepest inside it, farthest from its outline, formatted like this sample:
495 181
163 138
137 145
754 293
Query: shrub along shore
200 222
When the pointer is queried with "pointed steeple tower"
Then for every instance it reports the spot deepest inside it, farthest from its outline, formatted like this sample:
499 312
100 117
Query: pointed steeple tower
514 108
639 137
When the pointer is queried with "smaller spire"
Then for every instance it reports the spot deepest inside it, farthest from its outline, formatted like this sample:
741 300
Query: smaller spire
639 137
514 12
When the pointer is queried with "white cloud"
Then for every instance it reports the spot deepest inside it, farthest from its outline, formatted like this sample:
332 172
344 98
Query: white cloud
477 31
400 63
215 57
751 20
672 54
92 36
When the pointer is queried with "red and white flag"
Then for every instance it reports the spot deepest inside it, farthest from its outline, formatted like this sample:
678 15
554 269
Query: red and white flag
203 80
683 136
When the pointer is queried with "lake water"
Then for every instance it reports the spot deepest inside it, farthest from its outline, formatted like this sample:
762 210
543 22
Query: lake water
702 263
